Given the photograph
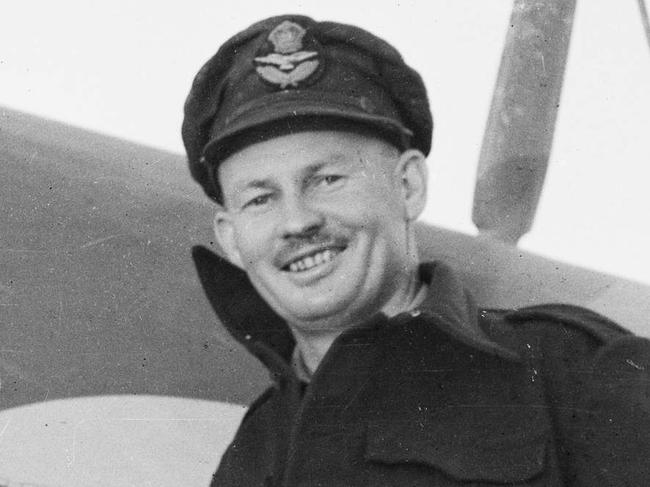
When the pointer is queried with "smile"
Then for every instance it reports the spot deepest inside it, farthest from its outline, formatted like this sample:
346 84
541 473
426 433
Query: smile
313 260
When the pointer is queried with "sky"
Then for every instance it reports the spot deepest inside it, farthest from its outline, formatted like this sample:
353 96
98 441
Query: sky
124 68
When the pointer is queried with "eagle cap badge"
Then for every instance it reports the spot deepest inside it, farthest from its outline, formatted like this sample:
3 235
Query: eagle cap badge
284 62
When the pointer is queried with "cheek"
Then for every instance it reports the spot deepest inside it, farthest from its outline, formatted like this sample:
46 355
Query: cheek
379 196
374 215
254 239
365 203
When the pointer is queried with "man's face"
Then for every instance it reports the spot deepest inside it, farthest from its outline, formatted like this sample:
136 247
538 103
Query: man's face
320 222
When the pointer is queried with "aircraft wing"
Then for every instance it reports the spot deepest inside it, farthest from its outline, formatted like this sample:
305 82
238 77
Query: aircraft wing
113 368
99 294
108 347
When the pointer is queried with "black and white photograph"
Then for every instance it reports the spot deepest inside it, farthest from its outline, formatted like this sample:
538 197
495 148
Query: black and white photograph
325 244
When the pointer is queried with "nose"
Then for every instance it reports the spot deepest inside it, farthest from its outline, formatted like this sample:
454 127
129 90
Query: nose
300 220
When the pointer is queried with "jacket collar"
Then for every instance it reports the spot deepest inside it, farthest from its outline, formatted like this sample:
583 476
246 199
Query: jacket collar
254 324
452 308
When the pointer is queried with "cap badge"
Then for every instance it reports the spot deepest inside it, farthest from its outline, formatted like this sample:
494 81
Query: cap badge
287 64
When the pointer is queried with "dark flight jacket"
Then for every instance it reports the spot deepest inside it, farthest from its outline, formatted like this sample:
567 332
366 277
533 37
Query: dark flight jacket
445 395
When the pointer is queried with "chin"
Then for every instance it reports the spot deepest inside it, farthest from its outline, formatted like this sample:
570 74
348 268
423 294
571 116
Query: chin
313 305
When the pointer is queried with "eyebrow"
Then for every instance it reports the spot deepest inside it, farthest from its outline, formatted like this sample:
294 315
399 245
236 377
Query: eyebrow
255 184
308 171
333 159
239 189
315 167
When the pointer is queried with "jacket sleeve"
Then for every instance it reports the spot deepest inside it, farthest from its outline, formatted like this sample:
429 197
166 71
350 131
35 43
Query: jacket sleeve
597 380
610 440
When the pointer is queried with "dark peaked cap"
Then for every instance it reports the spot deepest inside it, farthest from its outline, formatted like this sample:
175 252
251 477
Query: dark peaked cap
292 68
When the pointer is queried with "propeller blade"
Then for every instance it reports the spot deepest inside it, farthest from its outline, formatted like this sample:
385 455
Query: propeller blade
519 132
645 20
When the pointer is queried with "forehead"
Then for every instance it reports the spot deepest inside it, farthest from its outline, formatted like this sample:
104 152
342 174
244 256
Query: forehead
302 151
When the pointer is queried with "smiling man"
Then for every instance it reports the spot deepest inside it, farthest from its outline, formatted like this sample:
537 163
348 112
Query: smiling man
322 223
311 137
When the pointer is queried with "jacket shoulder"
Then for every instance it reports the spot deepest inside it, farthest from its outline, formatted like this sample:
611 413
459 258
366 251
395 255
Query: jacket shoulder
562 320
594 375
581 319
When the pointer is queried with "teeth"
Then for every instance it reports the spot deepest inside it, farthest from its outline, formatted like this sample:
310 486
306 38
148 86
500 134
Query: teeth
310 261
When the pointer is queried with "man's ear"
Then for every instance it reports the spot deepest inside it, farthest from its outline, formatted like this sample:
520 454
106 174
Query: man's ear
413 176
224 232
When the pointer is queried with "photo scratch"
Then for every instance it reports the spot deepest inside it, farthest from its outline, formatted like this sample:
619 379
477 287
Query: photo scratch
636 366
101 240
4 429
24 251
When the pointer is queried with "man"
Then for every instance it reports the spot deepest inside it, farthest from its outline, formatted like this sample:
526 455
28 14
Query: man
312 138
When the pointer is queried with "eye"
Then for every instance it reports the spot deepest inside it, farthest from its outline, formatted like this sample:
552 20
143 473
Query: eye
329 179
260 200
